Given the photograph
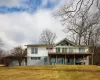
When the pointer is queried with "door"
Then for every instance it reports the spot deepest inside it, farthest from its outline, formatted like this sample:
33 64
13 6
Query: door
70 60
53 61
60 60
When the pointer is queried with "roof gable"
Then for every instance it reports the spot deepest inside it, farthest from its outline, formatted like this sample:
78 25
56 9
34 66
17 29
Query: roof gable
65 42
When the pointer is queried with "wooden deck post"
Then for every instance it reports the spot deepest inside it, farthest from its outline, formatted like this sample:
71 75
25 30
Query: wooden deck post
74 59
92 58
83 59
56 59
48 60
65 59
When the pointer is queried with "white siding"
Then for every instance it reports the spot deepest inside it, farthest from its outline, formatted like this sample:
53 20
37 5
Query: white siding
35 62
41 52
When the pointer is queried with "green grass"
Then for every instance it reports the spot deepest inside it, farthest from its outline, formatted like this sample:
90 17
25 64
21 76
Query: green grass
59 72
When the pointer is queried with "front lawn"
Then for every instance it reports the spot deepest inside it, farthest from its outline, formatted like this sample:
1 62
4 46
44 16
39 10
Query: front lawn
60 72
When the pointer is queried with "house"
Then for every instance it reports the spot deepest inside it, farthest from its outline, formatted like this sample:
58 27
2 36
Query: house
64 52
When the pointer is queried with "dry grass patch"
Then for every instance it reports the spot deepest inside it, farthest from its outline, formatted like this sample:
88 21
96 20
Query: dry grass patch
59 72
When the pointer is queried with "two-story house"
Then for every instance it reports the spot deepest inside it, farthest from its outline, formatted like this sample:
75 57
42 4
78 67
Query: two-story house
64 52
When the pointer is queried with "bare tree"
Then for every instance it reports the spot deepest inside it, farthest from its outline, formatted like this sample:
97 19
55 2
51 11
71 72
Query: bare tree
1 50
47 37
96 56
77 5
82 26
1 54
19 54
80 19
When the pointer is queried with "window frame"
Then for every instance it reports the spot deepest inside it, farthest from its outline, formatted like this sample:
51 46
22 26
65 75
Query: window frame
81 50
34 50
64 50
71 50
35 58
58 50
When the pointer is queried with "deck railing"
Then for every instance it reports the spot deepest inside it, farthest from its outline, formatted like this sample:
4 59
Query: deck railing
67 51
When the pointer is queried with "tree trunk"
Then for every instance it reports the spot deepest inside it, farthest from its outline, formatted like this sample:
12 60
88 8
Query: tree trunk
26 61
79 40
19 63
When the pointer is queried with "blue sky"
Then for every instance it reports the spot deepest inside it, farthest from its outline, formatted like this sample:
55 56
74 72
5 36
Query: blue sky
22 21
28 5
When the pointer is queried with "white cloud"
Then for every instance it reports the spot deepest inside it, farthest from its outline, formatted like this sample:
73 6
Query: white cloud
24 28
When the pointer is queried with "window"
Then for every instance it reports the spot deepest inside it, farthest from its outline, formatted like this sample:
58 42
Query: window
35 58
34 50
38 58
32 58
58 50
64 50
81 50
70 50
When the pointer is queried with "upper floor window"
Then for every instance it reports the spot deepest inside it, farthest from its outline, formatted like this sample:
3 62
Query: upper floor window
70 50
64 50
58 50
81 50
34 50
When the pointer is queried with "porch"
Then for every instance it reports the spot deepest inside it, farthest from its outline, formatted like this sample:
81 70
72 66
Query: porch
69 58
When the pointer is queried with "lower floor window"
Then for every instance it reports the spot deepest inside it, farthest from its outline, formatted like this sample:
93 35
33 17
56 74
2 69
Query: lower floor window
35 58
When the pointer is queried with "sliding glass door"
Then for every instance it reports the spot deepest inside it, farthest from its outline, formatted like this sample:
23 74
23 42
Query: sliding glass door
60 60
52 60
70 60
